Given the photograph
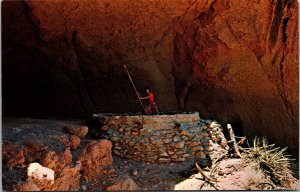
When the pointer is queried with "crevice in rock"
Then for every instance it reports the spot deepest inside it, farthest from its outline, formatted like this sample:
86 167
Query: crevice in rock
281 66
174 64
276 22
187 11
287 104
166 33
185 91
284 27
33 20
205 14
85 83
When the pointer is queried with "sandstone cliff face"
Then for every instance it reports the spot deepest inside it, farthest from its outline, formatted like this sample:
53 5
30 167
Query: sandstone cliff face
235 61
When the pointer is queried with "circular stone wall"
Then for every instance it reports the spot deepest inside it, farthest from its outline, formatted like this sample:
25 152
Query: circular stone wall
159 138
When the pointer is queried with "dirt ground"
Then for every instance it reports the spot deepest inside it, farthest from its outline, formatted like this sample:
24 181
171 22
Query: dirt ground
47 132
229 174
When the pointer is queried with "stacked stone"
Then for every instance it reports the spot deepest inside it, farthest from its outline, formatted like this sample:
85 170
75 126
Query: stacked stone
160 138
163 146
213 133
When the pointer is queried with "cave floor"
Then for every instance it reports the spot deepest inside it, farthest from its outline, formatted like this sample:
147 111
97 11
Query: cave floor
231 174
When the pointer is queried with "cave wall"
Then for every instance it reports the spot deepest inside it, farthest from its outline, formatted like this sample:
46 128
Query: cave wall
234 61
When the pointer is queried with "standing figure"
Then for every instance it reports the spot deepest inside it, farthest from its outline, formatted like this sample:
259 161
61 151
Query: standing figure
150 109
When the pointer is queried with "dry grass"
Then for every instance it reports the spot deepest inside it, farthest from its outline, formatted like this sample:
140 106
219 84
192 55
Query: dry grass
272 161
253 177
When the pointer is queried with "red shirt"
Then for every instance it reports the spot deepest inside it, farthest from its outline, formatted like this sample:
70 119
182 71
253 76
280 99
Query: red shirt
151 98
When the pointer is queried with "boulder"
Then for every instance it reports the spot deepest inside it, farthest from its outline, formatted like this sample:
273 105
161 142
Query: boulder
65 140
74 141
13 154
95 158
123 184
42 177
67 156
34 145
67 180
53 161
78 130
25 186
17 158
49 159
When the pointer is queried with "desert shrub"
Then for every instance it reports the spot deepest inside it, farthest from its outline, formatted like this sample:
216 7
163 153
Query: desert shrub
271 160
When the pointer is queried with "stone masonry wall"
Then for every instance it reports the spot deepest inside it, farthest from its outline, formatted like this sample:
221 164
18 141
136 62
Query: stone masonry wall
160 138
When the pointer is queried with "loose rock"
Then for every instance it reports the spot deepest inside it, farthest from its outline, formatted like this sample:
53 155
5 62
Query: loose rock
123 184
80 131
74 141
39 175
95 157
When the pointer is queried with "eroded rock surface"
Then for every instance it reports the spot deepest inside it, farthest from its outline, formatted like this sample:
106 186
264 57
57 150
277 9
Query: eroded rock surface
79 131
123 184
90 166
96 159
236 61
41 159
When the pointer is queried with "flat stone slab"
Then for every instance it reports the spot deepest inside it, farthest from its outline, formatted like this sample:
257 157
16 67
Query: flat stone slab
192 118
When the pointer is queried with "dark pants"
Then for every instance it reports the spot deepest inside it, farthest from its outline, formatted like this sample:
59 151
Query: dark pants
151 109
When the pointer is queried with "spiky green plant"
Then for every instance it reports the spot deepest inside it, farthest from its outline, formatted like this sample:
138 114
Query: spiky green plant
270 160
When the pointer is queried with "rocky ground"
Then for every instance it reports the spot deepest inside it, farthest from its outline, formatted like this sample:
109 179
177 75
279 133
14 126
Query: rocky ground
82 163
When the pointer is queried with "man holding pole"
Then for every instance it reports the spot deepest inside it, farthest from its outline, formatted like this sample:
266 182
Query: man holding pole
151 108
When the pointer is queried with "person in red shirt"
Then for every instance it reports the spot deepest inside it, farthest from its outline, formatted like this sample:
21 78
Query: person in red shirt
151 108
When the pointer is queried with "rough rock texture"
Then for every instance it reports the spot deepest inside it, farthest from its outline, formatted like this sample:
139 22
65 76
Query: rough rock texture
66 176
74 141
68 179
12 154
39 175
123 184
95 158
79 131
234 61
160 138
35 150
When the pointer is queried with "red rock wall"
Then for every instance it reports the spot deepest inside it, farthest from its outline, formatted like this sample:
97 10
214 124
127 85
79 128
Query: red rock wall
234 61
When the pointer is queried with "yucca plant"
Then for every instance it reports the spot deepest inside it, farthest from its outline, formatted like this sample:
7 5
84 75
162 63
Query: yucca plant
270 160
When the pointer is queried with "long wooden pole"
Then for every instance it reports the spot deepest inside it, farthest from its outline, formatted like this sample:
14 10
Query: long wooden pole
134 87
232 137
